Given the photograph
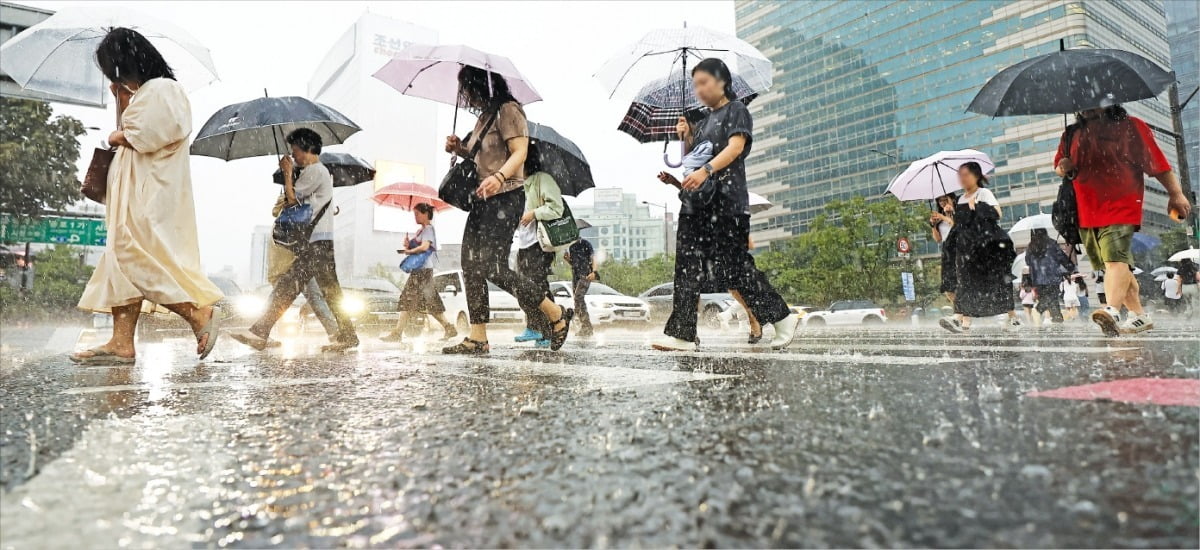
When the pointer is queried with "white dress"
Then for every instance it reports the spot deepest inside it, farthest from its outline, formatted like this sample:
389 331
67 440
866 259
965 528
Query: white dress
152 252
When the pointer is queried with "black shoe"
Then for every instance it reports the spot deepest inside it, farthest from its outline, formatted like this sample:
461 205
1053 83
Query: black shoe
558 337
467 347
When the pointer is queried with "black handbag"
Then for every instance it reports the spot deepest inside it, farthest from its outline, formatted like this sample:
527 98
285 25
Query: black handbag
1064 214
459 184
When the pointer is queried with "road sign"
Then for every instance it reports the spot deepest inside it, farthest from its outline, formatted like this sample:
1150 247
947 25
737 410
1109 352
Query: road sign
903 246
54 230
910 290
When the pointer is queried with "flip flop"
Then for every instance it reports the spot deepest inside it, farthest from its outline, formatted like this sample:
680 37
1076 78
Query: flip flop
211 329
101 357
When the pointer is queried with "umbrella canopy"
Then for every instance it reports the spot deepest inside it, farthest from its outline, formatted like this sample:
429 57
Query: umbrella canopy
582 223
431 72
345 168
1137 270
1070 81
659 104
1192 254
558 156
1143 243
665 52
407 195
759 203
936 175
1025 226
259 127
1164 270
1160 278
57 56
1019 266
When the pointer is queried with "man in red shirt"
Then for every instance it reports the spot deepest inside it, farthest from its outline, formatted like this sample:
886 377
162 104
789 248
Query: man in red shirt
1109 153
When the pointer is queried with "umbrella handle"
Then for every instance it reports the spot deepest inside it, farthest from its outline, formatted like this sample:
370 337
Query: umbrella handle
667 156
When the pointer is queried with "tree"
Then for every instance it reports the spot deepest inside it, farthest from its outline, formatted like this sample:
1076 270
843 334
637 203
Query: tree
38 155
626 276
59 278
849 252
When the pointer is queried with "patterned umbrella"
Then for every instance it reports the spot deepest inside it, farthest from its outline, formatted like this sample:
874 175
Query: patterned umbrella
407 195
660 103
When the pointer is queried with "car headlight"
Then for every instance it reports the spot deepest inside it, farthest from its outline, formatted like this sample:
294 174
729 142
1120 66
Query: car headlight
292 314
604 305
353 306
250 306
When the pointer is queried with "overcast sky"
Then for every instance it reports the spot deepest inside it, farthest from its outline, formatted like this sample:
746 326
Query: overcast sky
277 45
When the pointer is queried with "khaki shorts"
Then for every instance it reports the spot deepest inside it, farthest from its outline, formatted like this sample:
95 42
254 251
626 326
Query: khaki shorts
1112 243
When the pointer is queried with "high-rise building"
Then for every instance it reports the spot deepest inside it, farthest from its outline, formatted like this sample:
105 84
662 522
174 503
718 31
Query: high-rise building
862 88
1183 34
260 242
622 227
399 136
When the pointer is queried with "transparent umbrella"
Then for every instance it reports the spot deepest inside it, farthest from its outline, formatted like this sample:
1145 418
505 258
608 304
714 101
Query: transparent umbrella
936 175
57 56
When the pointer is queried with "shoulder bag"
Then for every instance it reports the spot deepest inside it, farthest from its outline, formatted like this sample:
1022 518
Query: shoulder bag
416 261
295 225
557 234
459 185
1064 214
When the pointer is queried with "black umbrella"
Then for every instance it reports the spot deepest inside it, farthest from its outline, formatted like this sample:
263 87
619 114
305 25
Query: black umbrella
558 156
257 128
345 168
1070 81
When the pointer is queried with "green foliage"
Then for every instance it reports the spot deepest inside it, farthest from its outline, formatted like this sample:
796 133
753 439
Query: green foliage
38 155
59 279
849 252
625 276
1172 241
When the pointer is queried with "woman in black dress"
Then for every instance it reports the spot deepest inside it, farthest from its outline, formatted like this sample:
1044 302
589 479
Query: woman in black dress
714 225
983 255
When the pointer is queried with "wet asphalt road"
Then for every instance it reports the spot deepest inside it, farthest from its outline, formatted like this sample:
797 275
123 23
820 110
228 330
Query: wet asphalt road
888 437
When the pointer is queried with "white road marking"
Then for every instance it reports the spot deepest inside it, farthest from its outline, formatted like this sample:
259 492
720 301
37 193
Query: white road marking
586 377
785 357
63 339
141 482
234 384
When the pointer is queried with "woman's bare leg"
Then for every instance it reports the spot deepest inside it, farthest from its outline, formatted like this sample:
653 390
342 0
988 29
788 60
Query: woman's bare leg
755 327
125 320
196 318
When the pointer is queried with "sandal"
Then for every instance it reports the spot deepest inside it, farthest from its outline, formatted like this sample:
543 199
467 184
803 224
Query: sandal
467 347
558 337
101 357
211 329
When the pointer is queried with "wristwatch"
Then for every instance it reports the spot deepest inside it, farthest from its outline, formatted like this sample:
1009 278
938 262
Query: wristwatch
708 168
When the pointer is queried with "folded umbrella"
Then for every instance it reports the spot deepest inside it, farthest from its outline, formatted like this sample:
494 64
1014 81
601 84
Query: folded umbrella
259 127
407 195
431 72
1069 81
346 169
558 156
936 175
58 55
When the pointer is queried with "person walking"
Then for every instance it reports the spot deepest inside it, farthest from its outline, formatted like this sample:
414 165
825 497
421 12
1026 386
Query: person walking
152 256
279 259
1047 265
419 295
1172 288
941 223
543 202
1070 299
496 209
1081 292
1108 153
314 259
712 239
1028 300
581 256
1189 282
983 255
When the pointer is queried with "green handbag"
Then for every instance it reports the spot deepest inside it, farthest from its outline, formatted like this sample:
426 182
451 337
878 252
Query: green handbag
557 234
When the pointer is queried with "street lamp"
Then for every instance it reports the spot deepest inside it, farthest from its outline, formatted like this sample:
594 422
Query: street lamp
666 228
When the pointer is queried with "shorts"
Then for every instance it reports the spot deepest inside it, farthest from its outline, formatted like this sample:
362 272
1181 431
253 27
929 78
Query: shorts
1112 243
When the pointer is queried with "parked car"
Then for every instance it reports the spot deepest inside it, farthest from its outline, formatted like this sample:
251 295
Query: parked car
605 305
847 312
153 327
370 303
504 306
660 299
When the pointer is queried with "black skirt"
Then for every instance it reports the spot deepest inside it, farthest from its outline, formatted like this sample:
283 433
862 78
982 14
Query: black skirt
419 296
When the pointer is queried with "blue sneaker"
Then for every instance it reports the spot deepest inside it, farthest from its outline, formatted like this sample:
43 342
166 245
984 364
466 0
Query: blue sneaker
542 343
529 335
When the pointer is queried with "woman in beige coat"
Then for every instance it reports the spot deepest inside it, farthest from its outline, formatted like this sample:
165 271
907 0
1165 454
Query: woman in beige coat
152 255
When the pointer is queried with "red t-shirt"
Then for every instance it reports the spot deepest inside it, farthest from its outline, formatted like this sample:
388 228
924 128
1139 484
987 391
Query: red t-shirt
1111 158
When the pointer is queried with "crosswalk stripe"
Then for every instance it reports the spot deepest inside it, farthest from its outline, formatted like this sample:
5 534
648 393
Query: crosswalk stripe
786 357
247 383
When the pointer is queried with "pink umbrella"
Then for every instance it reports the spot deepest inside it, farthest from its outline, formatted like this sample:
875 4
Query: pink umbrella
407 195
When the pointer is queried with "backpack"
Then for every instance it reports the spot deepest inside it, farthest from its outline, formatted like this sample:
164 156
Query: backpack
1065 212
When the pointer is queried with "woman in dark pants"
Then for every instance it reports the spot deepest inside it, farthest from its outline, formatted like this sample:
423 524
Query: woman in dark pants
496 209
1047 265
713 232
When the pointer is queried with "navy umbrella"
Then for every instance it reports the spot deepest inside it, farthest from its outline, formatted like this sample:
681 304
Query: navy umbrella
258 127
1069 81
558 156
345 168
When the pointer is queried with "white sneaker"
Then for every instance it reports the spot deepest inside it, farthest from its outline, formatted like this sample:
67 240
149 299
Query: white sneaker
951 324
1136 323
1106 318
673 344
785 332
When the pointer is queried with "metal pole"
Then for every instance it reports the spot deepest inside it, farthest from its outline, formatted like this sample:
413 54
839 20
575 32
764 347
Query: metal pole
1185 181
26 276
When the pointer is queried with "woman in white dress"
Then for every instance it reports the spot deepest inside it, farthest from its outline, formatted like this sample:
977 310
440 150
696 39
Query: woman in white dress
152 256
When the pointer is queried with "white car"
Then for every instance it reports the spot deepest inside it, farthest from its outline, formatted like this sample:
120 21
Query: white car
847 312
450 287
604 304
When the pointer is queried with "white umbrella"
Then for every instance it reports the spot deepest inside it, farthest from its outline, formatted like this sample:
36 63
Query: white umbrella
431 72
1019 266
1137 270
58 55
1022 230
936 175
759 203
1164 270
1161 278
1192 254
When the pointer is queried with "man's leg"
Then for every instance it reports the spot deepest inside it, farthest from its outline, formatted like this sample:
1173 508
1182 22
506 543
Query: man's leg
325 272
286 289
581 311
320 307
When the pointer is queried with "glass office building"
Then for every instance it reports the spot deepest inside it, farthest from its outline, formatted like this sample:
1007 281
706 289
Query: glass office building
864 87
1183 34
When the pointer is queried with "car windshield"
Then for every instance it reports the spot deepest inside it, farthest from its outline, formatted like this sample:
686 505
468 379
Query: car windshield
597 288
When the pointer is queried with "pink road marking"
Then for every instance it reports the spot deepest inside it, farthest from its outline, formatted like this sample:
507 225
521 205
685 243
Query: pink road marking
1156 391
